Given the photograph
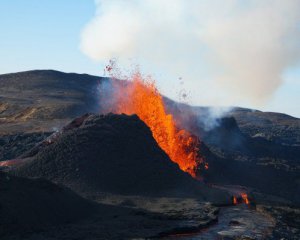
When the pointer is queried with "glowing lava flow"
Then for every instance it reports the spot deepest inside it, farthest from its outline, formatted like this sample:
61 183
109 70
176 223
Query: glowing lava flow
245 198
140 96
242 198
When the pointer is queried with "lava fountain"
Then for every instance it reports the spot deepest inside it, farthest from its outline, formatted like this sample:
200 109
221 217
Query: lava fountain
140 96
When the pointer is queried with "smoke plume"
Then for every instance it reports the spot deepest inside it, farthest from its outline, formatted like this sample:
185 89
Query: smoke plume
227 52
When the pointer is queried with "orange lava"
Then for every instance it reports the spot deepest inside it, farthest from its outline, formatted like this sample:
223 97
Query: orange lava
234 200
245 198
206 166
140 96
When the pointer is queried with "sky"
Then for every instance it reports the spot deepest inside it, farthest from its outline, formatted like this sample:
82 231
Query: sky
207 57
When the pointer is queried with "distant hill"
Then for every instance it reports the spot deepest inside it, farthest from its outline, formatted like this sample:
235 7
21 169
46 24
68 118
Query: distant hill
43 100
277 127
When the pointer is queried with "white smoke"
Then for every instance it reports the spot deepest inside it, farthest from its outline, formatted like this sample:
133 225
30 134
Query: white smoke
228 51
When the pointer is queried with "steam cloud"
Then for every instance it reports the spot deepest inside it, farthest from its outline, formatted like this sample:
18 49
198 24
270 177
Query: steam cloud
235 49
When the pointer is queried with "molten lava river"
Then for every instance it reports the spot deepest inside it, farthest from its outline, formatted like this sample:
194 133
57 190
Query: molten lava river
140 96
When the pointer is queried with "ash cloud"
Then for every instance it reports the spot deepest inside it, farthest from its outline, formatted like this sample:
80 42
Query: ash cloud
231 51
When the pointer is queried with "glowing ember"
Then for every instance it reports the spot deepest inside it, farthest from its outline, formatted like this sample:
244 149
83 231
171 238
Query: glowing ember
241 198
141 97
245 198
206 166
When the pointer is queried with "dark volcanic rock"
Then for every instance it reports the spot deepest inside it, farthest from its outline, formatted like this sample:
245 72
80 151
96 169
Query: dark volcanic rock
28 205
287 222
11 146
113 153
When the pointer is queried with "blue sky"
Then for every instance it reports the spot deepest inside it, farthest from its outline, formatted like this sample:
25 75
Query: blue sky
45 34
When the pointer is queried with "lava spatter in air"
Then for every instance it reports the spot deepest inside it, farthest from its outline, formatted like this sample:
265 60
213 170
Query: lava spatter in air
140 96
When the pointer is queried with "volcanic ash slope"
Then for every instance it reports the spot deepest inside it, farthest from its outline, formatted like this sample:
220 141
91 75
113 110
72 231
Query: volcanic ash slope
115 154
36 204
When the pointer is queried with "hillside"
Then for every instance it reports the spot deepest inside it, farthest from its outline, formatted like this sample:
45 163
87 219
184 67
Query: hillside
112 153
37 101
53 136
28 205
277 127
36 104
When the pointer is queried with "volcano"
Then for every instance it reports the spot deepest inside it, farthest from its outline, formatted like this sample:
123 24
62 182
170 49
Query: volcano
121 159
112 153
140 96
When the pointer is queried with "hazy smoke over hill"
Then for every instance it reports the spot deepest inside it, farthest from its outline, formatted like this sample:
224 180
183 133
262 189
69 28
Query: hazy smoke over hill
238 47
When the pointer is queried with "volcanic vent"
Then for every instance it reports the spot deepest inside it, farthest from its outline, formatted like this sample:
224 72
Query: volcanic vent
140 96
